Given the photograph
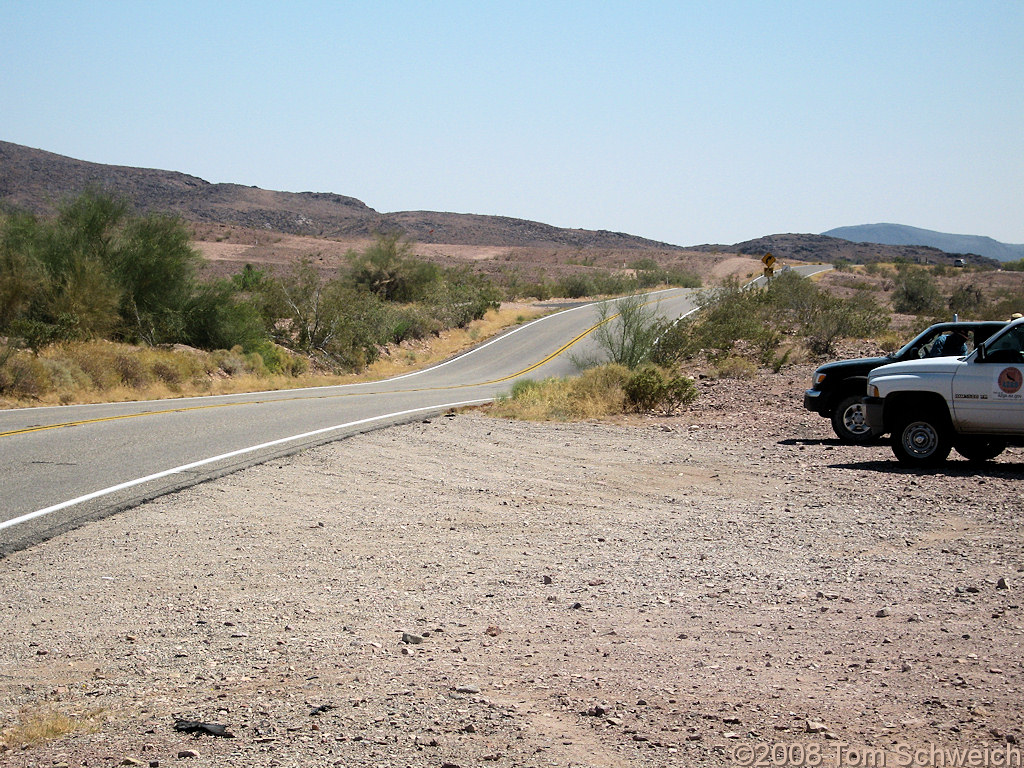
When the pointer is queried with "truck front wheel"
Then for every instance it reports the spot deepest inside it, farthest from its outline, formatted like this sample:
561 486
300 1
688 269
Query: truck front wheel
848 421
921 440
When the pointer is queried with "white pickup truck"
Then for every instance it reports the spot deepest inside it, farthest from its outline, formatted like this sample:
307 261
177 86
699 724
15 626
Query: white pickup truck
974 404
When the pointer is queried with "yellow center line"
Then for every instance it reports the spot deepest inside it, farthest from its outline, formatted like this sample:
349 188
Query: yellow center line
183 409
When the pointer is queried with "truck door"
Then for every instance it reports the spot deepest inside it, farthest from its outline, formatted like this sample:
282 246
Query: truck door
989 396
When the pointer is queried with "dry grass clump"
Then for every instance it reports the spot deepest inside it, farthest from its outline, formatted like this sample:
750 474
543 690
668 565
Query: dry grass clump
734 367
599 392
595 394
35 727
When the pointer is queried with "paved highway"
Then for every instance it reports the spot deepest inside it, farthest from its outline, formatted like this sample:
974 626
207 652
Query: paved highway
62 466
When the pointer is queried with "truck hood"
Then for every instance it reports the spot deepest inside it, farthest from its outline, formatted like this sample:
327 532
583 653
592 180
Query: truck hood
918 367
853 367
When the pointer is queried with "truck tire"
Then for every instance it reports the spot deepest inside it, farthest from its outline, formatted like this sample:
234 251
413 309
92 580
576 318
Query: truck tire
979 449
849 422
922 440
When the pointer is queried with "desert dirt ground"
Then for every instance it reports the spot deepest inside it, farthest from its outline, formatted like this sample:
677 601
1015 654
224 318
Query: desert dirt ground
728 586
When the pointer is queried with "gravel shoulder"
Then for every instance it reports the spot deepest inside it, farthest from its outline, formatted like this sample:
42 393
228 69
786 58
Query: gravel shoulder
468 591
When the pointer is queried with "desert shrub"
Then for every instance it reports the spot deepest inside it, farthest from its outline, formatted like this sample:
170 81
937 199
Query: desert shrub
277 359
460 298
232 361
412 322
64 375
878 269
168 373
729 314
22 375
155 266
890 341
387 269
219 319
915 292
858 317
1001 306
33 728
600 391
97 361
604 382
96 270
576 286
130 370
966 299
734 367
1014 266
37 334
650 387
251 279
523 386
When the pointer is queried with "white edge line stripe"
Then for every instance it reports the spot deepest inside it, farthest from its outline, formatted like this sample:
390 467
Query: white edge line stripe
231 454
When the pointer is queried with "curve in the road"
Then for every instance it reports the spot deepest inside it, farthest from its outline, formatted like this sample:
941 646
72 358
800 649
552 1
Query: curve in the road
509 377
230 455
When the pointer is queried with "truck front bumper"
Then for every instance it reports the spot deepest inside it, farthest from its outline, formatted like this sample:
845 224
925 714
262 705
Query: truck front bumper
814 401
873 414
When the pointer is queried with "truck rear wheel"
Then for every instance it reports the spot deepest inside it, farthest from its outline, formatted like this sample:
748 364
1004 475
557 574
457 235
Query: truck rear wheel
921 440
978 449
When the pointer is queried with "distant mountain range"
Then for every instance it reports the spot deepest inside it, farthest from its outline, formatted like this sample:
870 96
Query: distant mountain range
899 234
35 180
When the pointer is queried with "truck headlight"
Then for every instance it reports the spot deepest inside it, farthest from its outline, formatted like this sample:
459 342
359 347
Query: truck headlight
819 377
872 390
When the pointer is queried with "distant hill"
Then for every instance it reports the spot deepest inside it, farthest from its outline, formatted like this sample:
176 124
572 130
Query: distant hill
899 234
35 180
801 247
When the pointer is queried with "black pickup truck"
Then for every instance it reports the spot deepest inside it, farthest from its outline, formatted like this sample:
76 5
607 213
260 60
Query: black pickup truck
838 387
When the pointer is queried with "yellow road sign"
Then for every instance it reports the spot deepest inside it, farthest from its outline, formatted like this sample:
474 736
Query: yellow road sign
769 260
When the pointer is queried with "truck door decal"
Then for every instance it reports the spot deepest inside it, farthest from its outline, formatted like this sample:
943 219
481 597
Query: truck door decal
1009 381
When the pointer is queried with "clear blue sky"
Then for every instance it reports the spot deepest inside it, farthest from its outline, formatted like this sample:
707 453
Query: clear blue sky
686 122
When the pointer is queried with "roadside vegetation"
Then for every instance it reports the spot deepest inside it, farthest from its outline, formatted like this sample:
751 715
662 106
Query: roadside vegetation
646 362
99 303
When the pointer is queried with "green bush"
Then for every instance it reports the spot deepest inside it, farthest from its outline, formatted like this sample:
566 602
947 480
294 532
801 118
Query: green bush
97 271
523 386
915 292
650 387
